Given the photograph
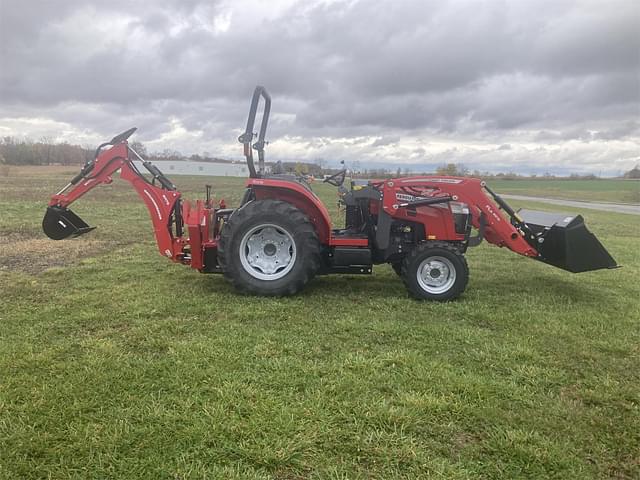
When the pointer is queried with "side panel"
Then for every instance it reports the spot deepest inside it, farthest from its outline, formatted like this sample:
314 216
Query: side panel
160 204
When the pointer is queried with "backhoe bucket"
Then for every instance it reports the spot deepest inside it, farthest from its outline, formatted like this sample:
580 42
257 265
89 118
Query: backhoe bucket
60 223
564 242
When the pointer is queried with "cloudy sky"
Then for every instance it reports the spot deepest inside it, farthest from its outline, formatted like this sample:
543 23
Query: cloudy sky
527 86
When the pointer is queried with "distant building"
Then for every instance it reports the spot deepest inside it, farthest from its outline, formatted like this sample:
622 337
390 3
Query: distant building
199 168
633 173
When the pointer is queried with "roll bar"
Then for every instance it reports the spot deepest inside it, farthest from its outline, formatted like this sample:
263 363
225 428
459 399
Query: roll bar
247 137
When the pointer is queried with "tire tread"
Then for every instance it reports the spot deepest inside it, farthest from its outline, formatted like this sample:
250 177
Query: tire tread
304 230
417 252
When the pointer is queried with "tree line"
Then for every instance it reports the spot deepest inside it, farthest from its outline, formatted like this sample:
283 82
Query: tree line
15 151
42 152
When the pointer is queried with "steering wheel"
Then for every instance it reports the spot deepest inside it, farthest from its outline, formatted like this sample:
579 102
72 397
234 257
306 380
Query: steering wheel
336 179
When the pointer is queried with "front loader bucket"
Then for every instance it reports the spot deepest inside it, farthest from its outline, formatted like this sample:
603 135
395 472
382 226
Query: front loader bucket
60 223
564 241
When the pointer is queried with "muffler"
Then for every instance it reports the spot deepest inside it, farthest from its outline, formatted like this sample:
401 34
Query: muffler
562 240
60 223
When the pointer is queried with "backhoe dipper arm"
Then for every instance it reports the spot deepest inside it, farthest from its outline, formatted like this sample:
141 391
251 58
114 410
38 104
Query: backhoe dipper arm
160 201
92 174
498 230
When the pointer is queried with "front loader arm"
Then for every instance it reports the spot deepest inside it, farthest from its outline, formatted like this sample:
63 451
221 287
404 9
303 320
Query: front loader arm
500 230
161 202
558 239
485 214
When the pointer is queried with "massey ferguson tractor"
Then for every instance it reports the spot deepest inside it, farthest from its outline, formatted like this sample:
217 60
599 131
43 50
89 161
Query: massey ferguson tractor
281 236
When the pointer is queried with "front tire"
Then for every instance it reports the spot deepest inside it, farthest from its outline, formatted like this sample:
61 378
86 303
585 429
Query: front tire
269 247
435 271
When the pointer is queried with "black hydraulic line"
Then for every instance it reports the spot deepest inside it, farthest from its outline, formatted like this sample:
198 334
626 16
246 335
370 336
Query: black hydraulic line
153 170
427 201
516 219
158 175
477 240
100 147
88 166
208 195
83 172
504 205
177 214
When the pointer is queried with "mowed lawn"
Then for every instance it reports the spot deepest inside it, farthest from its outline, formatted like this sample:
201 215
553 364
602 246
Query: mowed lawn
601 190
115 363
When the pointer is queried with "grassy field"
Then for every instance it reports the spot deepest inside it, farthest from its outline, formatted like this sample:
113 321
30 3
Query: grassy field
605 190
115 363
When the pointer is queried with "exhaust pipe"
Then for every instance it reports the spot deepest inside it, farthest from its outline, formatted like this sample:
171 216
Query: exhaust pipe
562 240
60 223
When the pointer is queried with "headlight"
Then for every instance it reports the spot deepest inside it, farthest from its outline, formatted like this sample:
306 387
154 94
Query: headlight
459 208
460 216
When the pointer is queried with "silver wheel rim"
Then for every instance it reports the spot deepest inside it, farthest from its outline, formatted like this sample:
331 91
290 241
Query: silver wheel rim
267 252
436 275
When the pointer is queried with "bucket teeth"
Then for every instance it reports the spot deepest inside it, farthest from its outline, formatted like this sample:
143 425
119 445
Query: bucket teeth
60 223
562 240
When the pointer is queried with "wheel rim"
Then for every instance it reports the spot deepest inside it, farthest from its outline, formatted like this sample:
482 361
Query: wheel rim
267 252
436 275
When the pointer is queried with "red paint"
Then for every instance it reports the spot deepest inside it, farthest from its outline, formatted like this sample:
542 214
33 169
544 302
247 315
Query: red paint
348 242
203 231
438 220
298 196
159 202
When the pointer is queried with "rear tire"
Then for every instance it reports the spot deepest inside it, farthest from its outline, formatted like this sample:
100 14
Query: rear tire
435 271
269 247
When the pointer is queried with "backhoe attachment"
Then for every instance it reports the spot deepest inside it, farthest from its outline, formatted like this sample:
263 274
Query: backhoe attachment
59 222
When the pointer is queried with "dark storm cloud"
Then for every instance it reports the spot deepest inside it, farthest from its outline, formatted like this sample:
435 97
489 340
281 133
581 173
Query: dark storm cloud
529 71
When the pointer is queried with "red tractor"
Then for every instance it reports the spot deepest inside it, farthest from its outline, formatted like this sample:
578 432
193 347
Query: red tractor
281 236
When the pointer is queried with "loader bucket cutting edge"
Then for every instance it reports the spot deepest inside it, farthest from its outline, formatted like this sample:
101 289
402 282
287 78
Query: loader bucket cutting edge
60 223
564 242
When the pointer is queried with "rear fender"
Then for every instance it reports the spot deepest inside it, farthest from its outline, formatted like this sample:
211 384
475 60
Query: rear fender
300 197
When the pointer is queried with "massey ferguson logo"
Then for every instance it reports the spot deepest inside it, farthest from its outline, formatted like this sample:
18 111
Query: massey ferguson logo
407 198
403 197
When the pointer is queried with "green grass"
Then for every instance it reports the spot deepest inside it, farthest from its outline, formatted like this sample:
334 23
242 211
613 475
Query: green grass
606 190
118 364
